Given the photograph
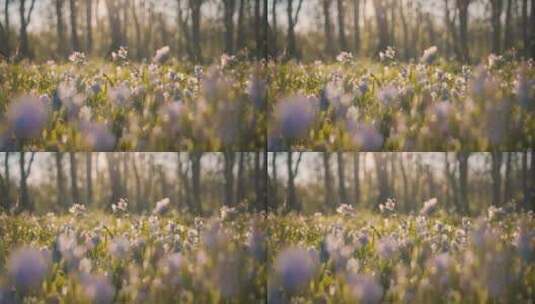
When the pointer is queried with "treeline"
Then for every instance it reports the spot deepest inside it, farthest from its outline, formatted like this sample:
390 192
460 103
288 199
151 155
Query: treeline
202 30
187 26
198 182
465 182
461 29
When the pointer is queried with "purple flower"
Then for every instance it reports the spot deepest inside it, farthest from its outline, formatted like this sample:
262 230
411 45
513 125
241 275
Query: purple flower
119 247
295 116
295 267
365 288
365 136
388 95
97 288
387 247
27 117
429 207
27 268
162 206
97 136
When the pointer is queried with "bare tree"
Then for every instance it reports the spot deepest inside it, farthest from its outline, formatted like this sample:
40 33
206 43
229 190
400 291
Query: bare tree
5 184
5 31
60 181
89 177
26 203
293 52
228 172
341 25
24 20
462 158
342 193
74 25
195 8
356 25
293 203
228 20
381 166
327 179
89 25
497 159
74 178
356 179
328 28
382 24
195 159
462 7
496 22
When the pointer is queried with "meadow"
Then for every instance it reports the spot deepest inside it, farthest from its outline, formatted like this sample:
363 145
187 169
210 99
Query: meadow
431 104
118 105
92 257
356 256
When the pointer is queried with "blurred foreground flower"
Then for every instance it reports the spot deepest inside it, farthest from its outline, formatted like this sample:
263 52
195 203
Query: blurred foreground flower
27 268
295 267
27 117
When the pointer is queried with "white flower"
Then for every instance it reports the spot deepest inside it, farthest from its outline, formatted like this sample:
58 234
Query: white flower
429 207
162 206
77 58
121 207
119 247
429 55
161 55
345 209
77 210
225 212
344 57
388 207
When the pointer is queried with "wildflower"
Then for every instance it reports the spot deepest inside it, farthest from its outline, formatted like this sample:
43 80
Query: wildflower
225 212
27 268
388 207
97 288
388 55
387 247
525 90
345 209
365 288
227 60
256 89
295 267
256 243
77 58
97 136
27 117
525 242
365 136
388 95
429 55
429 207
162 206
77 210
295 116
161 55
344 57
120 94
119 247
121 207
121 55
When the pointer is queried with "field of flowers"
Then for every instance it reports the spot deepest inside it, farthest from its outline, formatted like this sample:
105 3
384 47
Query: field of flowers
124 106
432 105
96 258
359 257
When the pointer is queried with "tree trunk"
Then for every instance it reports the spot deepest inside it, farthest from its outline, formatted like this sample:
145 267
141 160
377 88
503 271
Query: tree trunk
88 25
74 27
327 178
240 189
257 29
240 39
74 178
356 179
532 26
532 182
356 25
525 180
115 25
229 159
274 29
60 28
24 44
382 24
89 177
341 25
274 182
382 177
405 184
496 14
508 191
228 19
462 6
5 31
462 158
60 181
328 28
509 33
195 7
195 158
497 159
26 203
525 26
342 193
5 181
